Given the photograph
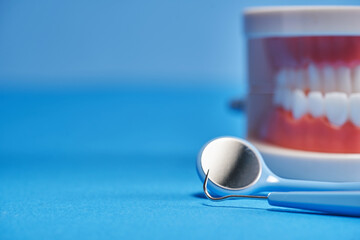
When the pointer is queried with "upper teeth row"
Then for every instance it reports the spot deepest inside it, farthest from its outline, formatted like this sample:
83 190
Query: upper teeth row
320 78
338 107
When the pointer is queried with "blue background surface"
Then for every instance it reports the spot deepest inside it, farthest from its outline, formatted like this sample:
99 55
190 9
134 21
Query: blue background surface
120 163
104 106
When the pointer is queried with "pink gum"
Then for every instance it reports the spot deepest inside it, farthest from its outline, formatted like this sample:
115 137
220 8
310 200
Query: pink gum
310 134
299 52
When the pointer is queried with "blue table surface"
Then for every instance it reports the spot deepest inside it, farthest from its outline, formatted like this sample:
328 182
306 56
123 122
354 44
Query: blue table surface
120 164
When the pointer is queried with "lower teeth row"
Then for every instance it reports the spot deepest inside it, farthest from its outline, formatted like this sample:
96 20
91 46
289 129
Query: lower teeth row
338 107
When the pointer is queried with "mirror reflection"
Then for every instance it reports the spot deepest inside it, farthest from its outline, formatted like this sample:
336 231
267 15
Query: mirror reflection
232 164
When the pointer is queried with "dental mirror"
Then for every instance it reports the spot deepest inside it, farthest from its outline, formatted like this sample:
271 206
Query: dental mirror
235 166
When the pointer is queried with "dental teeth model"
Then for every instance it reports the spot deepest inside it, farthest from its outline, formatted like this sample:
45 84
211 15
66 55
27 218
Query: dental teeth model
304 77
303 103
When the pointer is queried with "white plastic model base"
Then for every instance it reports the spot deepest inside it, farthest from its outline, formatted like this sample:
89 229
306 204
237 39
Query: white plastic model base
302 21
304 165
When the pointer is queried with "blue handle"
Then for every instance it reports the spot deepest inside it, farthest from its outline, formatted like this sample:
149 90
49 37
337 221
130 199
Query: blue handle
340 203
290 185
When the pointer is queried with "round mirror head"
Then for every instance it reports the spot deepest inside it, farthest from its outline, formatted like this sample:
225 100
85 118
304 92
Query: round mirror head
232 163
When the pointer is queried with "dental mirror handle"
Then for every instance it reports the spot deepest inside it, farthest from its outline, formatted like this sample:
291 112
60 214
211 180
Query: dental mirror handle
341 203
284 185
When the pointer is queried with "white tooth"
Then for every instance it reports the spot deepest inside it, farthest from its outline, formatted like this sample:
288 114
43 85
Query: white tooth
292 78
281 78
344 80
299 104
316 104
336 108
299 79
329 79
287 99
355 108
314 78
357 79
278 96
